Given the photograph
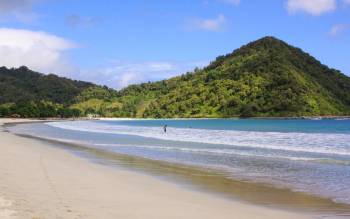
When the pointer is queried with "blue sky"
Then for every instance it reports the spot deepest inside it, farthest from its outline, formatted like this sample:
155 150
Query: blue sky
118 43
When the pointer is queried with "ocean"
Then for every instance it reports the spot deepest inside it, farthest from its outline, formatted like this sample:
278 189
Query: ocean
309 156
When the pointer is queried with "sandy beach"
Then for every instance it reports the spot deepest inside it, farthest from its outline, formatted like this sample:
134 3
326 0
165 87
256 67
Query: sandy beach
39 181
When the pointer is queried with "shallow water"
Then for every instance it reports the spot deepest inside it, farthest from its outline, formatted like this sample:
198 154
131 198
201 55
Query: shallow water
302 155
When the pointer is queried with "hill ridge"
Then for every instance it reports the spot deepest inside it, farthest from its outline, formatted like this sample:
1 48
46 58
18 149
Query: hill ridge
291 83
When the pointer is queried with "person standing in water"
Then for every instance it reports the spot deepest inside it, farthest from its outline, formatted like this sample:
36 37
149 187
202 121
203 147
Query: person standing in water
164 128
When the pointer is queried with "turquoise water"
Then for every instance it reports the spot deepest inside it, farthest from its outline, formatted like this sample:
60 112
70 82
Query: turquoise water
262 125
312 156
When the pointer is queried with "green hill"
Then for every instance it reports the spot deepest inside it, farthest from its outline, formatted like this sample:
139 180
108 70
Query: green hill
27 93
266 78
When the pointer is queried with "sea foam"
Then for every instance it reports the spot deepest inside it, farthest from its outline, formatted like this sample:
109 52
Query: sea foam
319 143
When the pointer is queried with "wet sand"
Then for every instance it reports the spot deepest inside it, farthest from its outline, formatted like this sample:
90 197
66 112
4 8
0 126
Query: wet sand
40 181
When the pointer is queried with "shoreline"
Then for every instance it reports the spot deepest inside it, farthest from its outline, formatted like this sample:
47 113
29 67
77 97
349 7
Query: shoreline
250 196
175 118
47 182
234 118
207 180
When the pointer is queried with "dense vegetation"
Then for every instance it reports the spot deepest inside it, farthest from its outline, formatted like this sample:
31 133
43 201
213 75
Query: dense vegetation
264 78
25 93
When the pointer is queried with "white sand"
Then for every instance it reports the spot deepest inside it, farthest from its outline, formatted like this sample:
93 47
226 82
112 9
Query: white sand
39 181
5 209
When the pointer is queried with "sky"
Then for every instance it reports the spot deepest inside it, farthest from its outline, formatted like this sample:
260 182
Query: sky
118 43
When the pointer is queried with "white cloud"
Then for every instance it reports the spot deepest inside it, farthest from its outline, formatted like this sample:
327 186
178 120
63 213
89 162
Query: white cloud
39 51
314 7
337 29
121 73
232 2
214 25
19 9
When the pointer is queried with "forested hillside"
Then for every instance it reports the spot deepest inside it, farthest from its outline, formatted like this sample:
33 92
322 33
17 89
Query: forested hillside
27 93
267 77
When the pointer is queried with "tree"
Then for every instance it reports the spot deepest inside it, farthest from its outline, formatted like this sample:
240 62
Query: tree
4 111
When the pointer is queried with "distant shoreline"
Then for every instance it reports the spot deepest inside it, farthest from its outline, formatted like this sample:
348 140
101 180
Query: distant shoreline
182 118
196 118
